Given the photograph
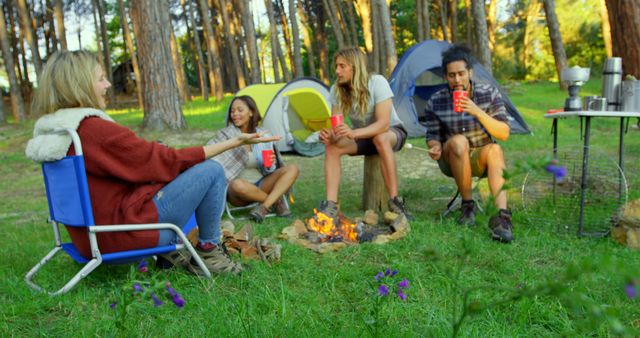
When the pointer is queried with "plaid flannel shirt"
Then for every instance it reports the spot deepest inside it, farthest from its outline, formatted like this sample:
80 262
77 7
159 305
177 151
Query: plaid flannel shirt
235 159
443 122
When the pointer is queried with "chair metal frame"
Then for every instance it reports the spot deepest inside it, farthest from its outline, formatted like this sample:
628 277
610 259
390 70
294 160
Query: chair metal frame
73 207
230 208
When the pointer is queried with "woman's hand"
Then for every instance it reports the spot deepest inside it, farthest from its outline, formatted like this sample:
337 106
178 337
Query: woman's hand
255 138
326 136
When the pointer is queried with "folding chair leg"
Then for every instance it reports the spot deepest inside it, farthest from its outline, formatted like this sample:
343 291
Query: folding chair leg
452 205
194 254
85 271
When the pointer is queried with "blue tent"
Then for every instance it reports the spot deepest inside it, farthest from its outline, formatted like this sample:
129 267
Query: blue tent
419 74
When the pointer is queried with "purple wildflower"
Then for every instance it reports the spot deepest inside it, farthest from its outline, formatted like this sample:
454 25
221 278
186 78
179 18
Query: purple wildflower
137 287
176 298
404 284
379 276
394 272
142 267
630 289
113 305
401 295
383 290
157 302
557 170
387 272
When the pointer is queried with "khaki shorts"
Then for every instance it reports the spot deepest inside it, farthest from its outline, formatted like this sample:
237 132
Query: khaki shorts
474 158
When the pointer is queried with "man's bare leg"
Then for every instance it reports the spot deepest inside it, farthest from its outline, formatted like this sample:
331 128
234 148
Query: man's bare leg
332 165
384 145
456 153
492 157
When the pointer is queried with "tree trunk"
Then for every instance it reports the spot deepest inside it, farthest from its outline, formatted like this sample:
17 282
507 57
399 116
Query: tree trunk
236 61
625 34
62 35
351 19
96 26
453 20
17 102
492 22
134 55
106 50
250 38
275 42
389 43
284 23
481 36
374 192
378 41
321 43
181 78
14 43
50 29
606 28
330 11
556 39
363 8
470 40
213 55
161 102
443 19
308 44
297 55
25 26
204 86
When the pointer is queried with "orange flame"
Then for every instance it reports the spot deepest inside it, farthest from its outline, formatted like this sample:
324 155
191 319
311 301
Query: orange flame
323 224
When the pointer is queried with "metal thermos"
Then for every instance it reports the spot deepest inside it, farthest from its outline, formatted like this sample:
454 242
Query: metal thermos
630 95
611 79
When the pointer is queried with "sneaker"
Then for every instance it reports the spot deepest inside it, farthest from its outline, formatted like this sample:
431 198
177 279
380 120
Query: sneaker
329 208
467 213
216 258
281 207
396 205
501 227
258 213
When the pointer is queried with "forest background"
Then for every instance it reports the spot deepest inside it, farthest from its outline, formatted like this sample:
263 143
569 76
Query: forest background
221 46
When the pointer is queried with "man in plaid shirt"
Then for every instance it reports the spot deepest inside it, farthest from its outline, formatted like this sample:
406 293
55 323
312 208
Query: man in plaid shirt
463 142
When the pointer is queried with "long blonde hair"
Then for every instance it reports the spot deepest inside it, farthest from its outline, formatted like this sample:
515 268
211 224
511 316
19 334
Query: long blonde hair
66 82
356 94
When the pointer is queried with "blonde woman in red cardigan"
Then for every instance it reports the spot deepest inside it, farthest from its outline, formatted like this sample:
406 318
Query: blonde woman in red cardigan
130 180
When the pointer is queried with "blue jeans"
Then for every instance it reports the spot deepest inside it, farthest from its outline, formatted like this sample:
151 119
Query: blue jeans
201 188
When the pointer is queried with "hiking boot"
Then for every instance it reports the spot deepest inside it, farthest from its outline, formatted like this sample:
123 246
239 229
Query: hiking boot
258 213
467 213
329 208
178 258
216 258
281 207
501 227
396 205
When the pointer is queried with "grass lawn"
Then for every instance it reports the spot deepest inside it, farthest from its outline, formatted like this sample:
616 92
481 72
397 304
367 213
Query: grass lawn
548 282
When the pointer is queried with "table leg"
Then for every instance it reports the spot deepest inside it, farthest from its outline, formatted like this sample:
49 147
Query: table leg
585 167
621 158
554 128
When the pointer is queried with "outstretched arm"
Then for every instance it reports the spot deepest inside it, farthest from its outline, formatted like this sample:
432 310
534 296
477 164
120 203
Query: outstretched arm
214 149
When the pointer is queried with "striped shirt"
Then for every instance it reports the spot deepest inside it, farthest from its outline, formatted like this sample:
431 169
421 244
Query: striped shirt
443 122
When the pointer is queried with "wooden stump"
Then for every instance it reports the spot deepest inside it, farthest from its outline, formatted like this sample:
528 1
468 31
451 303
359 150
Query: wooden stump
374 192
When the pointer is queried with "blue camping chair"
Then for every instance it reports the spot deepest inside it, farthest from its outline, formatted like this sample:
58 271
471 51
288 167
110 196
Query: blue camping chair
69 204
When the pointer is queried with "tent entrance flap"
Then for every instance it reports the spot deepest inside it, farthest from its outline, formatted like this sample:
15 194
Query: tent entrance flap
310 107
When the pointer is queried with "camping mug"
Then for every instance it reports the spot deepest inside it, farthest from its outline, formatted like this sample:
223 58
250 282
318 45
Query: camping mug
337 120
598 104
458 94
586 101
267 158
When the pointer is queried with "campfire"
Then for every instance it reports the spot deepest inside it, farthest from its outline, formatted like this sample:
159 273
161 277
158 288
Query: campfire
321 233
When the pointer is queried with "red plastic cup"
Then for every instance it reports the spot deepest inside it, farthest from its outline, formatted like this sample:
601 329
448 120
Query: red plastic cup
337 120
458 94
267 155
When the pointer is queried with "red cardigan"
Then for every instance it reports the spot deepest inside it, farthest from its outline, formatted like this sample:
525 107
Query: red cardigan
124 173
